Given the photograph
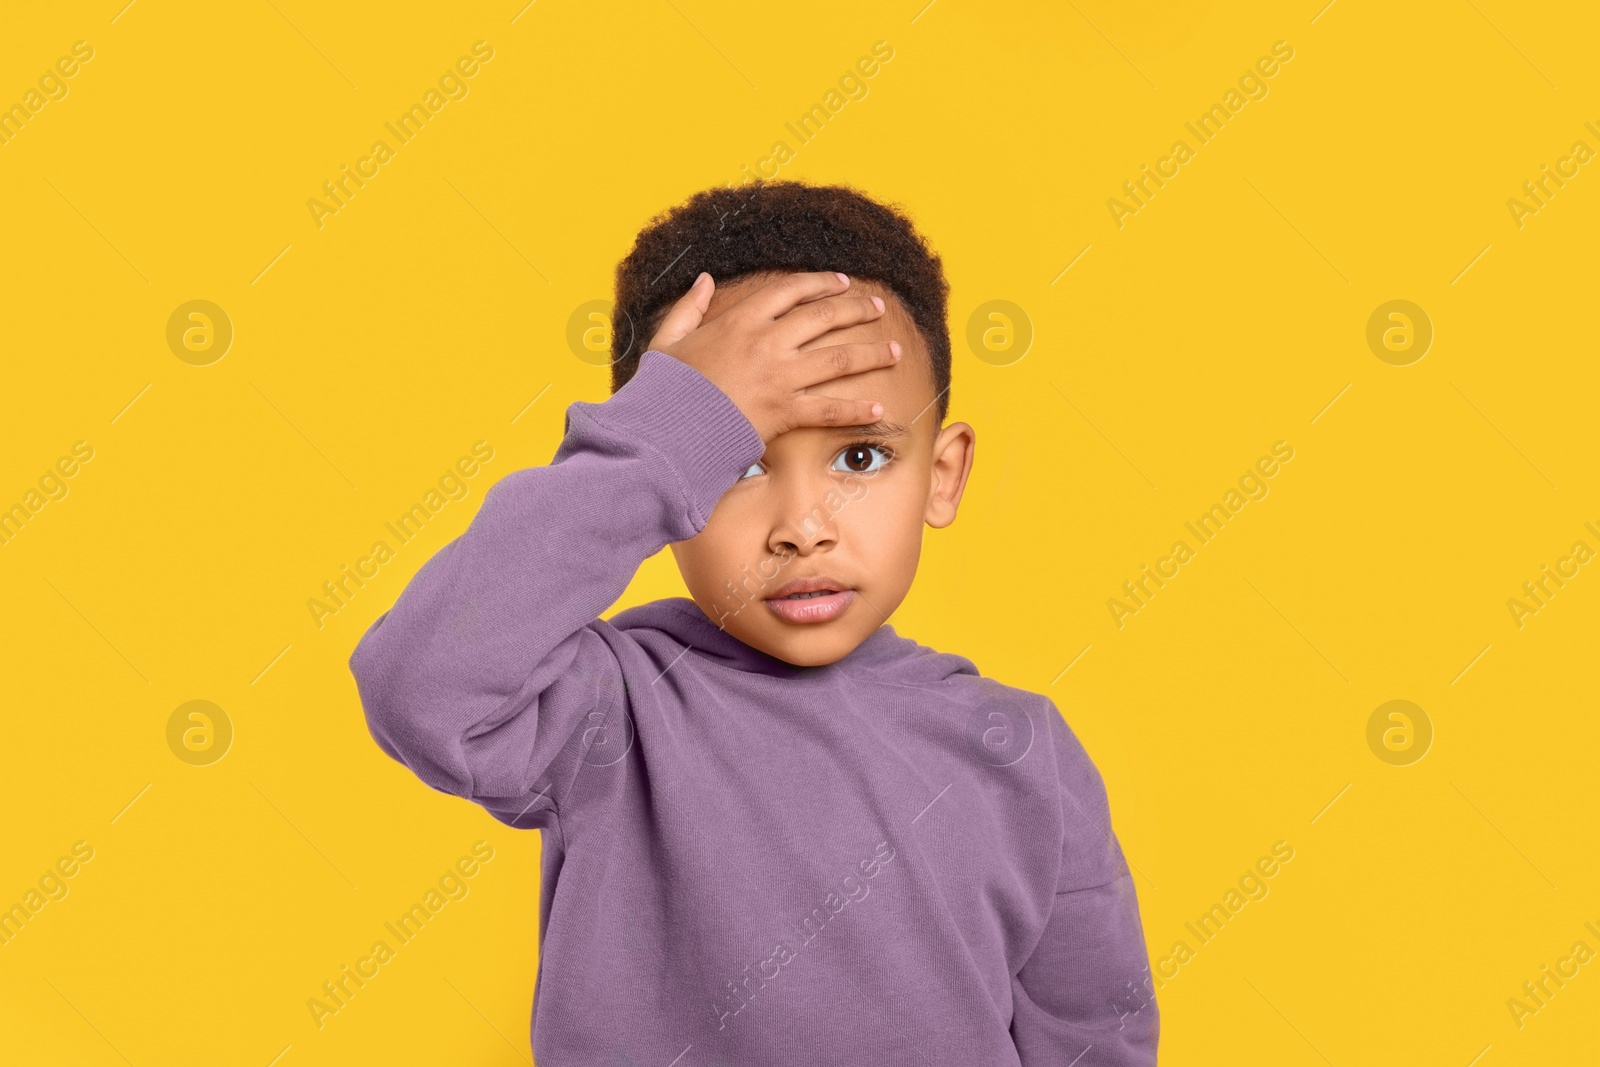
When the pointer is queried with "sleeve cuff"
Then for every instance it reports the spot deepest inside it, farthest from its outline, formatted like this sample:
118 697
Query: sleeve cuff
702 433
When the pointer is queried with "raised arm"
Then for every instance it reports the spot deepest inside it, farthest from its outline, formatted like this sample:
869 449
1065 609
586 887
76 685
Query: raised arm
486 668
1085 996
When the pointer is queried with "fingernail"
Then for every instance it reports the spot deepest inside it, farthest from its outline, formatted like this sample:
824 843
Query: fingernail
894 347
877 410
878 302
845 278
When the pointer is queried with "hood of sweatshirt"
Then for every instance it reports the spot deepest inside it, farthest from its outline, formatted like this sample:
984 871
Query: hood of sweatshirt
885 653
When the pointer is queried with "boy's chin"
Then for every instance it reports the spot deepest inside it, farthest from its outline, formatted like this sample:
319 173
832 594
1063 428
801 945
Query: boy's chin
808 644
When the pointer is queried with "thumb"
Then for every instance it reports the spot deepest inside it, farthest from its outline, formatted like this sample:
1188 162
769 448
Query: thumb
686 314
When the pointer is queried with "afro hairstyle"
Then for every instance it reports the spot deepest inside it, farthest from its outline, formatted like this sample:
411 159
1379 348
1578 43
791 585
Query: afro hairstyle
778 226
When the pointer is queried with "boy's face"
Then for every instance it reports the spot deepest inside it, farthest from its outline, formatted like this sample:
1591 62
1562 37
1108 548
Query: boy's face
832 503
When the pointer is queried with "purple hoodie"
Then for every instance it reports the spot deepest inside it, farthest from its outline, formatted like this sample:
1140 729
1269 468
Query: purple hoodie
889 859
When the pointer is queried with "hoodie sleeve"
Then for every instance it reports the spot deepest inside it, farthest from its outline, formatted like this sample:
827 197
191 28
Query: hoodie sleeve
488 665
1084 996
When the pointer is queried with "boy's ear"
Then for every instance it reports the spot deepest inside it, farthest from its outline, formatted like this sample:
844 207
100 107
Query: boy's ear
953 452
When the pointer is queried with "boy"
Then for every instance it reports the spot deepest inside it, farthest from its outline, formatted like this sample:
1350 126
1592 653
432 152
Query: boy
775 830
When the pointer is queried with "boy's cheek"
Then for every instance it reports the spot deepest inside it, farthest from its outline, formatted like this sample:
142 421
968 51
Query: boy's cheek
854 488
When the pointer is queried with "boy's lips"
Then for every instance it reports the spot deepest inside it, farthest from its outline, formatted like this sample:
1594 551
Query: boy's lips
805 600
816 583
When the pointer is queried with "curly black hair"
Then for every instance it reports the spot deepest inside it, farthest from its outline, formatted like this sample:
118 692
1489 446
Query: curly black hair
778 226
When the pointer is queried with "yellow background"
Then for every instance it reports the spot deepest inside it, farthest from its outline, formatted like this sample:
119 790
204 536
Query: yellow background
1229 313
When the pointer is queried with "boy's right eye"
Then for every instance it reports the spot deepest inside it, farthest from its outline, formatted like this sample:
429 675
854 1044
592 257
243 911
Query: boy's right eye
755 468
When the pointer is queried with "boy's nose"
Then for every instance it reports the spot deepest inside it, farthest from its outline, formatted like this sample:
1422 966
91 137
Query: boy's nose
804 519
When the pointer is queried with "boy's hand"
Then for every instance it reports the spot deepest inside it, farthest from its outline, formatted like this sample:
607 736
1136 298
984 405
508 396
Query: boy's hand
752 351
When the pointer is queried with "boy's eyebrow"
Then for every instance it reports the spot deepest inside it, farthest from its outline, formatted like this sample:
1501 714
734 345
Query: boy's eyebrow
882 430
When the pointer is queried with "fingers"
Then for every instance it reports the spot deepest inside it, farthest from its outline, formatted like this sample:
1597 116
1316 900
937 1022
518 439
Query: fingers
808 322
782 294
685 315
834 411
818 365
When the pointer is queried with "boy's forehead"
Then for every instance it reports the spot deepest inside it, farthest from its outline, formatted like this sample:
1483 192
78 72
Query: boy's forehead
906 388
